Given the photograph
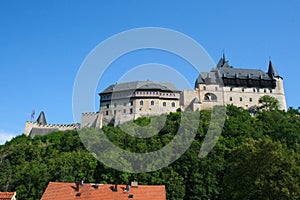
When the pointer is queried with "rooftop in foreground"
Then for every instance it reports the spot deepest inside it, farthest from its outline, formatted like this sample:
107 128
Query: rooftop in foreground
92 191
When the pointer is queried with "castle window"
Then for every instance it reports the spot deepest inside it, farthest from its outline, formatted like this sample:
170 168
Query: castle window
106 113
241 99
152 103
141 103
243 90
230 98
131 103
265 90
271 91
257 89
124 111
131 111
115 112
250 99
124 103
107 105
164 104
210 97
216 88
254 90
204 87
115 105
173 104
231 89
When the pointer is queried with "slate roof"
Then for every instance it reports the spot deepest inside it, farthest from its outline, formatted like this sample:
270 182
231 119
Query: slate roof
7 195
88 191
140 85
41 119
224 71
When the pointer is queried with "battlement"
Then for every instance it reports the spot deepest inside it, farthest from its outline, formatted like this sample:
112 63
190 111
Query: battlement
30 126
89 114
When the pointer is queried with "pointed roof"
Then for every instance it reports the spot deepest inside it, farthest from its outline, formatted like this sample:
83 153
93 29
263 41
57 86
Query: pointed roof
272 72
41 119
223 62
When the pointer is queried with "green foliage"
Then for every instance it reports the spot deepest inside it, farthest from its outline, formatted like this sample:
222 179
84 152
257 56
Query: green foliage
255 157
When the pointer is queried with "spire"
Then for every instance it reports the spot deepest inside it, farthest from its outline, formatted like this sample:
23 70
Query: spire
272 72
41 119
222 62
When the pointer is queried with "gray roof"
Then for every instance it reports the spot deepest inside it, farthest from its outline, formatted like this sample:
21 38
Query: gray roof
41 119
140 85
272 70
225 71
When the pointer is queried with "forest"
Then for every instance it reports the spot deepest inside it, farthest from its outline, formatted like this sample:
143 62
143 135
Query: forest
256 157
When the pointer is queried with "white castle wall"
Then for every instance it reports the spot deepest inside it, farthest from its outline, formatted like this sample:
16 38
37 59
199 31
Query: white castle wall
61 127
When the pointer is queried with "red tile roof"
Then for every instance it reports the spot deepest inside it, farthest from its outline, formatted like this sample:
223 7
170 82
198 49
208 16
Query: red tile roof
88 191
7 195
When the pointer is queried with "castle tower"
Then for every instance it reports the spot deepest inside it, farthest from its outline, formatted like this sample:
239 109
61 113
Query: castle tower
279 89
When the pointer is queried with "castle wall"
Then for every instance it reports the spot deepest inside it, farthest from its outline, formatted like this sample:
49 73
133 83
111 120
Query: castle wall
29 126
125 110
240 96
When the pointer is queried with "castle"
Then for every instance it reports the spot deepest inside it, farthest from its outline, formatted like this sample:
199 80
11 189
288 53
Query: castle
223 85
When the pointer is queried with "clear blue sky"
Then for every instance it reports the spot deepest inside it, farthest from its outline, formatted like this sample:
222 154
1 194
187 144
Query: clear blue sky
43 43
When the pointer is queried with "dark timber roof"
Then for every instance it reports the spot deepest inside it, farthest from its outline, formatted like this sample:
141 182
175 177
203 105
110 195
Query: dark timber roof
41 119
226 74
140 85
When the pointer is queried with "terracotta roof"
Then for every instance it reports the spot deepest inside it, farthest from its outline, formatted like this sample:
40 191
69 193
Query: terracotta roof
7 195
91 191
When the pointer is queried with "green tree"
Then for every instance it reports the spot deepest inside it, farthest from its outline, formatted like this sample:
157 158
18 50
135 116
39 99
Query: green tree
262 169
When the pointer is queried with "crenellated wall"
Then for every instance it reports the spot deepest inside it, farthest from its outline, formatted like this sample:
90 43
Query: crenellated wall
60 127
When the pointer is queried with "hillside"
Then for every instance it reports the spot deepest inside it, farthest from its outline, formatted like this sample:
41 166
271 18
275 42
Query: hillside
255 158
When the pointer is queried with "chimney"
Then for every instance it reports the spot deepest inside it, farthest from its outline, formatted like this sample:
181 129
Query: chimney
77 186
134 184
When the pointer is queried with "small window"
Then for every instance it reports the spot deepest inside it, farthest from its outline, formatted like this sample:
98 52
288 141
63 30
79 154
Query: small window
204 87
115 105
250 100
258 90
152 103
254 90
131 103
164 104
107 105
231 89
271 91
131 110
124 111
141 103
230 98
241 99
243 89
216 88
106 113
124 104
265 90
173 104
115 112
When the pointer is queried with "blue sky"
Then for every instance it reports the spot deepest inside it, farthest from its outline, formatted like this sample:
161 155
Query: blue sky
43 43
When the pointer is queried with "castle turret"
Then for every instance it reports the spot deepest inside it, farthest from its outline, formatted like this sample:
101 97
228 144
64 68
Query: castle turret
41 119
272 72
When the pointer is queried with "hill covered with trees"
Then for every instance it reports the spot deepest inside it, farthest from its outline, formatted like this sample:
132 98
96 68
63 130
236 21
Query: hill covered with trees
255 158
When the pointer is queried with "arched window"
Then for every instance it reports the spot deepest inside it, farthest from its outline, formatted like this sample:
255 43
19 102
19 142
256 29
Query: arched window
141 103
152 103
210 97
164 104
173 104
